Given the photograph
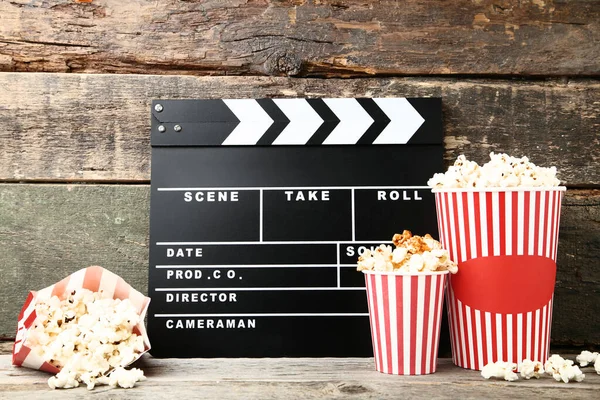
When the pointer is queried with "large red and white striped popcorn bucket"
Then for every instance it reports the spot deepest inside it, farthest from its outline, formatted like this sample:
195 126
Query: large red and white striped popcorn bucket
505 243
92 278
405 312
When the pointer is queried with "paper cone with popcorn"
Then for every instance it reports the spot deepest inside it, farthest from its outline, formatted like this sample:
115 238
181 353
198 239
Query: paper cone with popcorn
29 353
505 241
405 290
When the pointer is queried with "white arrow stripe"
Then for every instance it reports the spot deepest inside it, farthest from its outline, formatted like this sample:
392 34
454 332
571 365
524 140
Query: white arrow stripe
404 121
354 121
304 121
254 122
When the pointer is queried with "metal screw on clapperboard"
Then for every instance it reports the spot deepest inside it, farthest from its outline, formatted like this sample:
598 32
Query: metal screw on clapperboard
159 108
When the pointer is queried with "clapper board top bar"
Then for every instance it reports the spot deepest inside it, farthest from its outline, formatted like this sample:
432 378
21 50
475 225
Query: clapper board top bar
265 122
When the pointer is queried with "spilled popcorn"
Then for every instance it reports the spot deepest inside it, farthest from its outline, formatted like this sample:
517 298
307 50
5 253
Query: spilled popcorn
500 369
587 357
412 254
531 369
89 338
556 366
501 171
563 370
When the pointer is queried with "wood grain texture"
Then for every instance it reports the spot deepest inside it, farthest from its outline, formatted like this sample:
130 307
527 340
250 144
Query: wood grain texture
78 127
49 231
302 38
297 378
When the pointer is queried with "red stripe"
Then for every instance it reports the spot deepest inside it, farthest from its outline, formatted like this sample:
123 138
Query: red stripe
371 312
551 228
386 325
47 367
505 337
438 209
525 337
468 328
484 339
526 223
515 222
550 316
442 220
477 237
400 330
27 302
540 335
457 331
414 297
494 338
121 290
29 321
464 339
60 287
427 309
455 234
474 333
91 280
502 221
376 324
514 335
555 223
536 225
490 224
467 222
435 308
446 218
18 358
545 232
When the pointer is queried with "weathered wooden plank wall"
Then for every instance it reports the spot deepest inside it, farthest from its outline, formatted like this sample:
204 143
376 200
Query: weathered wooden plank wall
97 125
519 77
301 37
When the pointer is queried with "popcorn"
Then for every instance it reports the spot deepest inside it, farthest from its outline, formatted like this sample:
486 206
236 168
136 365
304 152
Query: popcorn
501 171
587 357
562 369
531 369
412 254
89 337
123 378
500 369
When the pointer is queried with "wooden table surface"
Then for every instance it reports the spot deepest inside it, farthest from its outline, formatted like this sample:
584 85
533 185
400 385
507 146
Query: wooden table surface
294 378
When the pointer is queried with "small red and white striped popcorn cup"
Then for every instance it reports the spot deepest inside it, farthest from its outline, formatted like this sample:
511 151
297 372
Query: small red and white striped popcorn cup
92 278
405 312
505 243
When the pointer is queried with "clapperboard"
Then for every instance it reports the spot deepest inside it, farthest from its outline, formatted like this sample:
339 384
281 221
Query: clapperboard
260 209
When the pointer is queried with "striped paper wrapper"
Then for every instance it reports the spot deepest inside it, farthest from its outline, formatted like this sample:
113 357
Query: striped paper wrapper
505 243
405 313
91 278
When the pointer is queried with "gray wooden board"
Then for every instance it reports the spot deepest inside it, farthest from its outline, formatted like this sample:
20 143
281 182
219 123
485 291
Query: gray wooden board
302 38
296 378
97 127
48 231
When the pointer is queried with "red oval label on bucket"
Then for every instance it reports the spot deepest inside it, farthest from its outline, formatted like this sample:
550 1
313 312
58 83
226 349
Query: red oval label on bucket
505 284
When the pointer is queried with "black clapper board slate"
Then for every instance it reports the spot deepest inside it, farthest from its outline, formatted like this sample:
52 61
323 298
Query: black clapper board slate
259 209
